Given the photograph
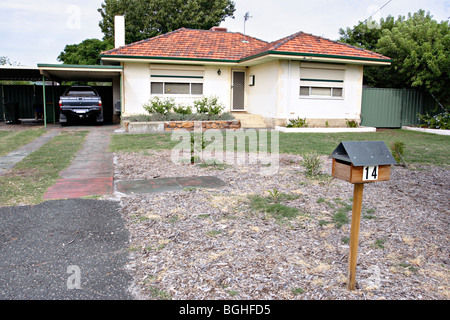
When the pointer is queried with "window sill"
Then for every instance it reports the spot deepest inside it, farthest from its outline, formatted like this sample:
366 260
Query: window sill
321 98
177 95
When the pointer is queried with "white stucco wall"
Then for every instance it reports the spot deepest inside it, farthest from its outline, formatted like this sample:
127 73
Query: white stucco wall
277 93
291 105
262 97
218 85
136 82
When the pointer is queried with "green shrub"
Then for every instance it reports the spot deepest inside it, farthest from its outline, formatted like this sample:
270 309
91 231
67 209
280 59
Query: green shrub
209 106
351 123
180 117
158 106
183 110
297 123
312 163
439 121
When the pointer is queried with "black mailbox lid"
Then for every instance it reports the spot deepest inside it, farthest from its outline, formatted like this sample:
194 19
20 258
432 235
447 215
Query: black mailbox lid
364 153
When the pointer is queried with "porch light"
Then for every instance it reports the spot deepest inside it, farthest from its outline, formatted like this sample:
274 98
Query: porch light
219 72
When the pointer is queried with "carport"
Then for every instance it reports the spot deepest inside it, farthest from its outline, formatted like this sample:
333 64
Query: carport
69 73
88 73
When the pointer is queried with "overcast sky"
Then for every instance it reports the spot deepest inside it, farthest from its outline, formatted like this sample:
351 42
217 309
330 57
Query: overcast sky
36 31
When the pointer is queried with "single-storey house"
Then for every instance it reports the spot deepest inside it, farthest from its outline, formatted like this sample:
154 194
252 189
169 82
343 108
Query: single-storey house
301 75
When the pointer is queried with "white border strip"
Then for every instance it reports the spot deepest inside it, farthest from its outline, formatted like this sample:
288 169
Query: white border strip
434 131
325 130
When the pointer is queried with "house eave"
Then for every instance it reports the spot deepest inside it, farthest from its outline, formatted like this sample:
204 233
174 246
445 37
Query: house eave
168 60
312 57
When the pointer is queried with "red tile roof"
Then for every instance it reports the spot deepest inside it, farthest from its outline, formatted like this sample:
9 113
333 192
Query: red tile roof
195 44
304 43
229 46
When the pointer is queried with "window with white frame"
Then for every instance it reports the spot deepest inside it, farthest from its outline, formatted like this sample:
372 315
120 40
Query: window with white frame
321 82
177 81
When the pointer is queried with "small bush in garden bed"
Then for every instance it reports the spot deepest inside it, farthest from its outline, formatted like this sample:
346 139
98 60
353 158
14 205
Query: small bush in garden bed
180 117
297 123
439 121
156 105
351 123
209 106
208 109
182 110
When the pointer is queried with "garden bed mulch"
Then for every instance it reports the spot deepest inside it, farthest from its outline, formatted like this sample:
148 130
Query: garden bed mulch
213 244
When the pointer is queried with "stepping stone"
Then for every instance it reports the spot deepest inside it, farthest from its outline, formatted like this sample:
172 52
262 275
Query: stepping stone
167 184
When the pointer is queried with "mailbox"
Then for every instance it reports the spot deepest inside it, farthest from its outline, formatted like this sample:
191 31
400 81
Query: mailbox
362 161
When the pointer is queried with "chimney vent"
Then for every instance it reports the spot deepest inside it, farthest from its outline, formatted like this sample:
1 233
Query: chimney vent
119 31
219 29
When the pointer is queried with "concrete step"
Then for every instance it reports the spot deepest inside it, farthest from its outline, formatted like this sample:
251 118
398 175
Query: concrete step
250 120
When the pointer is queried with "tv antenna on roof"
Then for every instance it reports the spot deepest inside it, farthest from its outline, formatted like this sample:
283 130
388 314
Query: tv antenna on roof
246 17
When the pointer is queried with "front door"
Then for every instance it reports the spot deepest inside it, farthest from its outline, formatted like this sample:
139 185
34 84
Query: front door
238 91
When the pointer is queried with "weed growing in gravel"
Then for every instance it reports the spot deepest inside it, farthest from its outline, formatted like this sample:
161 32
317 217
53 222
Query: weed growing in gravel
274 194
345 240
297 291
270 205
233 293
379 243
341 210
213 233
340 217
159 294
369 215
312 163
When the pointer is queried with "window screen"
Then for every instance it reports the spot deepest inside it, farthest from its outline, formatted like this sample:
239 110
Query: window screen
177 88
317 91
157 88
304 91
337 92
197 88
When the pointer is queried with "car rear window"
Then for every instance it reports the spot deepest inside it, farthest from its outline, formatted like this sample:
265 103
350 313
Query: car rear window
80 92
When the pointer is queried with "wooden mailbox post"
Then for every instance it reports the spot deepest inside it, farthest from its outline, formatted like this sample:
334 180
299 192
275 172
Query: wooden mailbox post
360 162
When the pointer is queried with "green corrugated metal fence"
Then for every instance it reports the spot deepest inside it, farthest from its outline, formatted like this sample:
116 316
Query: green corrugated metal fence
29 96
394 108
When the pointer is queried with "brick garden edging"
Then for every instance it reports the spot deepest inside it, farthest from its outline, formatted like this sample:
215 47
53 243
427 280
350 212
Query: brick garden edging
169 126
206 125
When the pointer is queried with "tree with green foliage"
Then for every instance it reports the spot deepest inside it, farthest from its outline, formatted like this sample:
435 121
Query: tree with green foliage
86 52
419 47
6 61
148 18
366 34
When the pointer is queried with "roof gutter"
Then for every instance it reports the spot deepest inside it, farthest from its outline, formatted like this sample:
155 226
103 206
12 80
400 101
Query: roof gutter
170 60
318 58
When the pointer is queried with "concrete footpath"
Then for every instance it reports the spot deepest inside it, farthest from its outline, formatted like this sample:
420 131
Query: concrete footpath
10 160
90 173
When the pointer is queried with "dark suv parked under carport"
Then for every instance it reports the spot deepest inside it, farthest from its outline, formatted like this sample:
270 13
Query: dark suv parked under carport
80 103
